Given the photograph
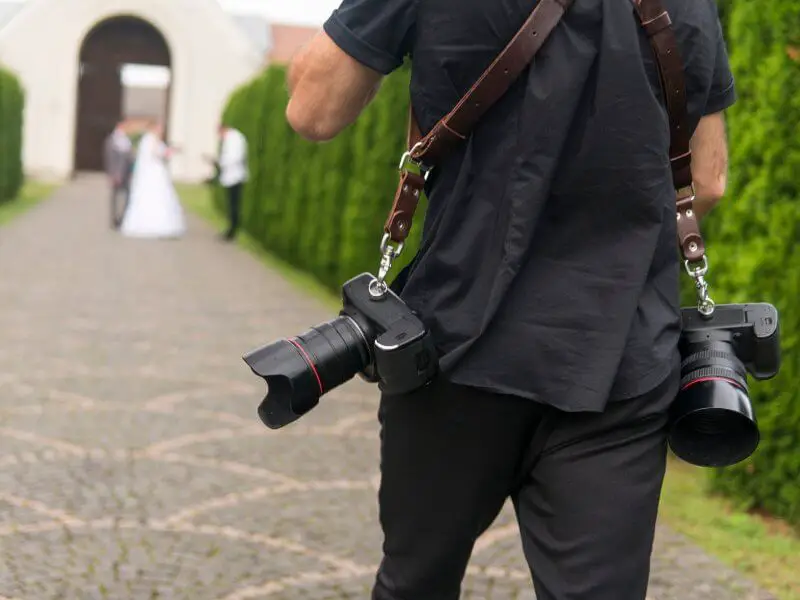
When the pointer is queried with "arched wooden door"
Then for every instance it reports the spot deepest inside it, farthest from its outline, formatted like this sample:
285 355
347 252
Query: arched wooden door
108 46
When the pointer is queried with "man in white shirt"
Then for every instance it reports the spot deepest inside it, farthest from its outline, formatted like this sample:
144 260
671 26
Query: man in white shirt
233 173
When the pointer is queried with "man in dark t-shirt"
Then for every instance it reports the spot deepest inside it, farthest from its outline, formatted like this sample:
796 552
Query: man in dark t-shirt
548 275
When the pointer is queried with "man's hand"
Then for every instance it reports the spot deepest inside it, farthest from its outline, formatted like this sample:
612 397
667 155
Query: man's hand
328 89
709 163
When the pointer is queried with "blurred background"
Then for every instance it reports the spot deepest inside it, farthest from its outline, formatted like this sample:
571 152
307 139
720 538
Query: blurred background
253 513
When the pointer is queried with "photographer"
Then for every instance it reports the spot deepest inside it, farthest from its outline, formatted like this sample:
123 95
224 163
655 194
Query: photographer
548 276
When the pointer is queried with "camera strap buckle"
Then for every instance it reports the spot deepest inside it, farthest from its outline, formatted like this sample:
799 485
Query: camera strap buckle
693 248
705 305
389 252
413 175
409 163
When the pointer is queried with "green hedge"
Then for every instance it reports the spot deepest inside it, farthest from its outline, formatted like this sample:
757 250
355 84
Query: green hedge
753 237
321 207
11 106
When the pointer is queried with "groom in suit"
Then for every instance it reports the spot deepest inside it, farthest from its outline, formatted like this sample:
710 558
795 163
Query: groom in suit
118 158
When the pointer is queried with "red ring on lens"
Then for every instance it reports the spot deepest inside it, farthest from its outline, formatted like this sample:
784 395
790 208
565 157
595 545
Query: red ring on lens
310 363
704 379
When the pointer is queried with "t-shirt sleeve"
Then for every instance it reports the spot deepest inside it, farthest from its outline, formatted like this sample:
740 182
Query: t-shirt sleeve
722 93
377 33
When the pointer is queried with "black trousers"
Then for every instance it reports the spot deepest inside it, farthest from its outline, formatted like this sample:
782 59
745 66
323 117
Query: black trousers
585 487
119 203
234 209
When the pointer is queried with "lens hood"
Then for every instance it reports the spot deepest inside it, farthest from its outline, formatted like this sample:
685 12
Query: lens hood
293 386
713 424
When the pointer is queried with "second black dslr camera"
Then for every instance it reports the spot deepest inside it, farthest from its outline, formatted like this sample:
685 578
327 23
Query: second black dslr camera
375 335
713 421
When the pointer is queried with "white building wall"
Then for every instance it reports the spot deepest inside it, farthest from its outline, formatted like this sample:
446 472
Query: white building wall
210 57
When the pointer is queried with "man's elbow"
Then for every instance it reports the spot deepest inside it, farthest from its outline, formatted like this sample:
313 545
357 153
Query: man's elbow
711 190
302 113
710 164
708 194
310 125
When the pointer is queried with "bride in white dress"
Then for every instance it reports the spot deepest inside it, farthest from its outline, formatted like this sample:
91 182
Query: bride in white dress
154 210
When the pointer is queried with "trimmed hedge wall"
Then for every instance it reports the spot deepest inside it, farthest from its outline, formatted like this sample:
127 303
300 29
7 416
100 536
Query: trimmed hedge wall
753 236
11 106
321 207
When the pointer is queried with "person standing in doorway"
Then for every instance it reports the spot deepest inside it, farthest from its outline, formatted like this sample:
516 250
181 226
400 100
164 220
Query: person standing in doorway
118 162
233 173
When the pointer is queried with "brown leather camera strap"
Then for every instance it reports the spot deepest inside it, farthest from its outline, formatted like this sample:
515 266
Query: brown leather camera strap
458 124
658 26
455 127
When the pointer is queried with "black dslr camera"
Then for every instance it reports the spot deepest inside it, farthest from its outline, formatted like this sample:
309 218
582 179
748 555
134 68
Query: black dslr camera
376 336
713 421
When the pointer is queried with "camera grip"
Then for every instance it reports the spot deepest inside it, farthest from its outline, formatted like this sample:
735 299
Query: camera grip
767 346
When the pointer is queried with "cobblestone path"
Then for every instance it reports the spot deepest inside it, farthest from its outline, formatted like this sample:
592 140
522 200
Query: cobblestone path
132 462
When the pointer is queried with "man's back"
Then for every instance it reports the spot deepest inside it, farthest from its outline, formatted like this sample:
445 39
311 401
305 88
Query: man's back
548 271
548 261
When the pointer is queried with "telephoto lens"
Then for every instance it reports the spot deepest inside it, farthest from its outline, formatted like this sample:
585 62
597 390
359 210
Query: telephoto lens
301 369
714 424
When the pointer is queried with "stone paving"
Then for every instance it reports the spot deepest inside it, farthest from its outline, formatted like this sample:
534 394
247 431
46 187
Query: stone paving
132 462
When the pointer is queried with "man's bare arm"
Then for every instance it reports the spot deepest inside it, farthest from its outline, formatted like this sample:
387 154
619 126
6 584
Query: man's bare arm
328 89
709 163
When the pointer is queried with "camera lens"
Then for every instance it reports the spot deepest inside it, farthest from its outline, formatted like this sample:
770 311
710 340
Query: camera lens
713 420
299 370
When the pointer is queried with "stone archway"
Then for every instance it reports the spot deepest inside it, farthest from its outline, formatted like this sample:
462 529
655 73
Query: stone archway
106 48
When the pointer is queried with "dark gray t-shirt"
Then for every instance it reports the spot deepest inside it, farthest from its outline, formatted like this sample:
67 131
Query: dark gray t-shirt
549 266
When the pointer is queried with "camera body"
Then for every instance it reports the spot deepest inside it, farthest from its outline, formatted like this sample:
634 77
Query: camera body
752 330
404 357
713 421
377 337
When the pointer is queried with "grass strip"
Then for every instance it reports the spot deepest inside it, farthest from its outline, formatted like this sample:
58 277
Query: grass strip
31 194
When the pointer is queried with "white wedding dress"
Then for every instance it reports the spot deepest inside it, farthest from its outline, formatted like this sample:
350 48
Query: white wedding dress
154 210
